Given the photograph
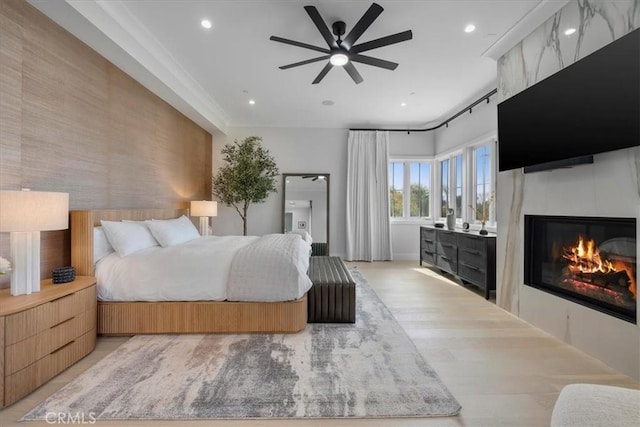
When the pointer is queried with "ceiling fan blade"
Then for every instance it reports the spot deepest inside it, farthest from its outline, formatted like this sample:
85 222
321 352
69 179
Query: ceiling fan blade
308 61
367 19
299 44
321 25
323 73
355 75
383 41
373 61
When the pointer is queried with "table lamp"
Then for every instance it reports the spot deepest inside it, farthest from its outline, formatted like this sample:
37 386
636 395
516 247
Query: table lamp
204 209
25 214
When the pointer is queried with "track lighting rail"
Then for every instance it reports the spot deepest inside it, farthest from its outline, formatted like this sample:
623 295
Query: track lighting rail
468 108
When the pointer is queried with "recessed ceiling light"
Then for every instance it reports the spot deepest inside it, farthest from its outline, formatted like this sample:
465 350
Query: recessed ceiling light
328 102
469 28
404 104
252 102
206 24
569 31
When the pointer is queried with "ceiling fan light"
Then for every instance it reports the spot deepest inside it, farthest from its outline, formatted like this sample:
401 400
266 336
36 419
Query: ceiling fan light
339 59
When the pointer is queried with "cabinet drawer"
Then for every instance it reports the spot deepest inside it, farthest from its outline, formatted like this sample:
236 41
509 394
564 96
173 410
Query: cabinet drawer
428 234
427 256
28 351
24 381
447 237
472 257
447 264
472 274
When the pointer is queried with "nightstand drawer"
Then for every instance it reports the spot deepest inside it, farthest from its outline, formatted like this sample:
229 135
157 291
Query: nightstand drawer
28 379
69 306
26 352
30 322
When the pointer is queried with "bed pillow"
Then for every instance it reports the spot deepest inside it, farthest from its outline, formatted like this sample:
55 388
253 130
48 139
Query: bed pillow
101 245
128 237
171 232
304 234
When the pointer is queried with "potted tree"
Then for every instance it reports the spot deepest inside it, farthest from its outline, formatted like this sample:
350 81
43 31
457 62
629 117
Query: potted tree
248 176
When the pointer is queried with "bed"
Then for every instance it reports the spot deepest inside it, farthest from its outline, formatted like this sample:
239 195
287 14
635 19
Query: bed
165 317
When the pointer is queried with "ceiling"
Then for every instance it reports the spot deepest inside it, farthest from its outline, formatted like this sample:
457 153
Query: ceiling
210 75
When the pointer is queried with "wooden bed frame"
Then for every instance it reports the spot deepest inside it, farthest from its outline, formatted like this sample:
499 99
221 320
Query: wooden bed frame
131 318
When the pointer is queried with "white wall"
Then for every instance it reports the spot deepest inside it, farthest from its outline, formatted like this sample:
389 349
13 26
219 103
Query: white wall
316 151
610 187
468 127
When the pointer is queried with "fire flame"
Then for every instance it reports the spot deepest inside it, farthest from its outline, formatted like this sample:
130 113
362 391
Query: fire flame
585 258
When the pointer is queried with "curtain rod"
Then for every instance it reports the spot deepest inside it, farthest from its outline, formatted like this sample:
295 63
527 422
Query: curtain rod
468 108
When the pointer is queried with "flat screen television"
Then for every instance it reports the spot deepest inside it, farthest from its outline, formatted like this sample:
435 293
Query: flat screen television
589 107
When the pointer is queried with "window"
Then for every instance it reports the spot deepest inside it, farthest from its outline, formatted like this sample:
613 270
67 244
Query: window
482 181
444 187
457 160
396 191
420 179
409 189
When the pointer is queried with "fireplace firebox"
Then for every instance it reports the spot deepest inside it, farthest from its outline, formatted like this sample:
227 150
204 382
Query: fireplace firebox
587 260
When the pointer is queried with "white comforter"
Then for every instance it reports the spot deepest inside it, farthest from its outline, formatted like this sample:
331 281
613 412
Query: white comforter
274 270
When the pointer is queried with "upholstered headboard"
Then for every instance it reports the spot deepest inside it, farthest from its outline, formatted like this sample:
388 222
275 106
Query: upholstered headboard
82 223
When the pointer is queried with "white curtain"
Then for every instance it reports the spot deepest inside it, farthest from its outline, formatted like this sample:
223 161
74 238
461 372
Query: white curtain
368 228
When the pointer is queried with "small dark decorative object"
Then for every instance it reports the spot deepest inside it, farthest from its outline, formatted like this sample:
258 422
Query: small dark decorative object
483 232
64 275
439 225
465 226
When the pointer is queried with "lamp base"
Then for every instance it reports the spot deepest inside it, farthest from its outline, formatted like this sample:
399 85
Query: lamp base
25 254
204 225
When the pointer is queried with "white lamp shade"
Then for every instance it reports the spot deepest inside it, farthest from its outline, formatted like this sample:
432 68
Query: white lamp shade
33 211
204 208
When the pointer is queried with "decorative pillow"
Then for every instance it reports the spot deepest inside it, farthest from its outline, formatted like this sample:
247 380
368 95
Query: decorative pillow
101 246
171 232
128 237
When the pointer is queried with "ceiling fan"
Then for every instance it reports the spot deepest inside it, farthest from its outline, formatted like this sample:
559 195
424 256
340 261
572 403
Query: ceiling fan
344 52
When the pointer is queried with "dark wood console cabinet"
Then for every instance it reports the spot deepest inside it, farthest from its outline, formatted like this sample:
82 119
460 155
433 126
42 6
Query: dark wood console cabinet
468 255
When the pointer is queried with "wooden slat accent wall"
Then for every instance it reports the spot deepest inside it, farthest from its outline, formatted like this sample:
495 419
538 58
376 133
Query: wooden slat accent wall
74 122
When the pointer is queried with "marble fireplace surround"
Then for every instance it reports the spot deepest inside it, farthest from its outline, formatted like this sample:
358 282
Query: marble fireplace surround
610 187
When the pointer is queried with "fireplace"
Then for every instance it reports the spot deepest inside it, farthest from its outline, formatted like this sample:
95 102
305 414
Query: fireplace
587 260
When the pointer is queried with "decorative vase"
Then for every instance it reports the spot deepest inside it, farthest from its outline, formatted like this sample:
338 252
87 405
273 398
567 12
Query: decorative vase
483 230
451 219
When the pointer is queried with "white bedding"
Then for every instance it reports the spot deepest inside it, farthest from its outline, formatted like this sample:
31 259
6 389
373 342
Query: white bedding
200 270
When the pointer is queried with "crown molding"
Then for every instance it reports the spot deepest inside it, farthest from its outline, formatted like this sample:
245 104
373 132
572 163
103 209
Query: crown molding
525 26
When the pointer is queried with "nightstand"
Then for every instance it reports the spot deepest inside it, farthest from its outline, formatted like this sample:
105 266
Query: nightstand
44 333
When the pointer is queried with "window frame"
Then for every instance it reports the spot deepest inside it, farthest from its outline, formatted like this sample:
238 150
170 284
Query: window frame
406 197
491 143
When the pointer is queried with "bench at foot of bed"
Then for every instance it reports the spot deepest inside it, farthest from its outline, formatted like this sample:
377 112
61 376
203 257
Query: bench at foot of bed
332 298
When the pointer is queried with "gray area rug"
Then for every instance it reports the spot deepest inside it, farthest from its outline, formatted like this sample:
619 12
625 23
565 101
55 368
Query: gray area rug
370 369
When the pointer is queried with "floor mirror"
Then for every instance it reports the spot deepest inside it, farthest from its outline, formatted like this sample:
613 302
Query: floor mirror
305 208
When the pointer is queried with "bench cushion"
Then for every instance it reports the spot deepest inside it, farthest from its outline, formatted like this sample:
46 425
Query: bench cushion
332 298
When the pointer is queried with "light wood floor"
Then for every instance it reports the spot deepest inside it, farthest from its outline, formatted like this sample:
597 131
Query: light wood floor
503 371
